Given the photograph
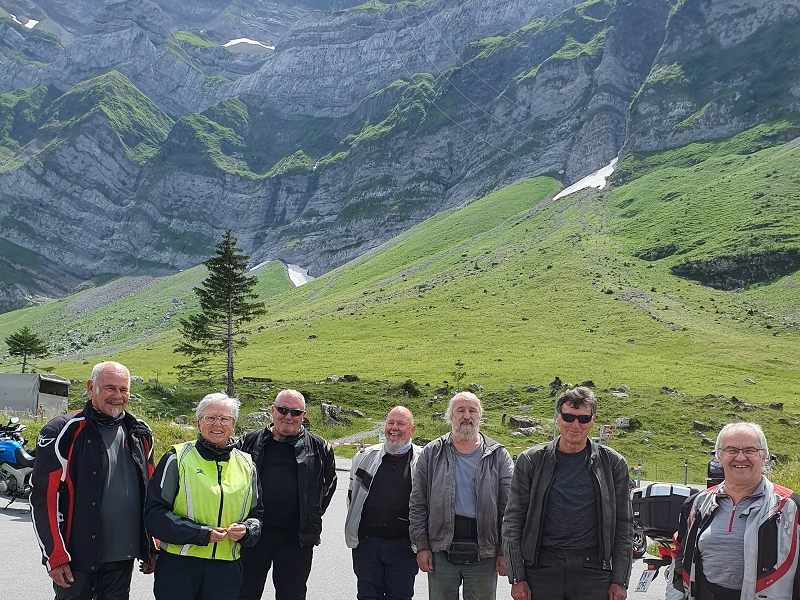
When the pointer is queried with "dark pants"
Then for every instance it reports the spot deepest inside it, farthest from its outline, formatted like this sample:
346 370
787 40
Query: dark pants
191 578
710 591
385 569
290 563
112 581
568 575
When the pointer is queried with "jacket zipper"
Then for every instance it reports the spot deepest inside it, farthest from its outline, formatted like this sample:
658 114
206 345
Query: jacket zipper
221 502
598 502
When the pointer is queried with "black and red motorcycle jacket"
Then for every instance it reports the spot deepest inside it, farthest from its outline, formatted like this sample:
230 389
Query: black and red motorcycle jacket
68 483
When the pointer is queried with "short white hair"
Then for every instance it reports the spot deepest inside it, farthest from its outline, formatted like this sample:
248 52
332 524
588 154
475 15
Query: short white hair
462 396
221 398
754 427
98 369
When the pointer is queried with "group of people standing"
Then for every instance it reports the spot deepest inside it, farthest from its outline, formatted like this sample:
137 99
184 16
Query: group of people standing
226 511
98 501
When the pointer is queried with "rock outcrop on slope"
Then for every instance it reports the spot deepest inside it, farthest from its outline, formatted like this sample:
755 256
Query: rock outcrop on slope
129 137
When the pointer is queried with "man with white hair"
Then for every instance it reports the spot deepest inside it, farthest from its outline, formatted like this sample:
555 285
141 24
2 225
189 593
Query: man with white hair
458 497
739 539
89 482
376 527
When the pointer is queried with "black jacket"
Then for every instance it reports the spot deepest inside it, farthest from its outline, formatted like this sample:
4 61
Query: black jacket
68 484
316 477
523 522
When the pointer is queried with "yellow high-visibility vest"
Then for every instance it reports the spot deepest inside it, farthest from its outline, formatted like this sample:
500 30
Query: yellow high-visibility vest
213 493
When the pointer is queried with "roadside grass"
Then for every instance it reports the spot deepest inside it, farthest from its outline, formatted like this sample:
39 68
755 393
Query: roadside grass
662 434
787 474
518 289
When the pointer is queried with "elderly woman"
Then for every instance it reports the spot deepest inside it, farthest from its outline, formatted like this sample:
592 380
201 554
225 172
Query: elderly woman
202 505
739 540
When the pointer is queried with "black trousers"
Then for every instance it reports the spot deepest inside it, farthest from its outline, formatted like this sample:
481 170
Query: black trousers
191 578
112 581
567 575
710 591
290 563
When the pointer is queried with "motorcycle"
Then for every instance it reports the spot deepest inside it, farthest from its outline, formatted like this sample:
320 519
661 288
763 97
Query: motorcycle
656 512
16 464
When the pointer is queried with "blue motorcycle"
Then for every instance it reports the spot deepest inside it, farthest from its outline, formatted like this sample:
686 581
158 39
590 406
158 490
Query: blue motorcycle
16 464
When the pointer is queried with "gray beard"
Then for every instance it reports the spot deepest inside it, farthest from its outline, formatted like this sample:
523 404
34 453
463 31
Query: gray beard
394 447
466 432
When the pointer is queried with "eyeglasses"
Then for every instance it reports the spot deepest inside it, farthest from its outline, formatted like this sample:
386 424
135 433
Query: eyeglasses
210 420
733 450
582 419
295 412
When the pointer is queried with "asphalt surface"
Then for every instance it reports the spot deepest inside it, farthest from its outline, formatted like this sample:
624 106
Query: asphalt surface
22 577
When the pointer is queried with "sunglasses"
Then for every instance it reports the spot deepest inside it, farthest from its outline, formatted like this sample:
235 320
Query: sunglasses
295 412
582 419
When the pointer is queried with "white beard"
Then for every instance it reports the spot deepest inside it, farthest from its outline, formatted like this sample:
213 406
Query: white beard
466 431
394 447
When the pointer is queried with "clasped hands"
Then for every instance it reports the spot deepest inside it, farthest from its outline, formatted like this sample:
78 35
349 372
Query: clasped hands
235 531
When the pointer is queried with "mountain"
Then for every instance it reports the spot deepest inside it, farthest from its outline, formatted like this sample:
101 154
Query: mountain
130 135
518 287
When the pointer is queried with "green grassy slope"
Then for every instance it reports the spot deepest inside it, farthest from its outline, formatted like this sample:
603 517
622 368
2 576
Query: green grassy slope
125 311
519 288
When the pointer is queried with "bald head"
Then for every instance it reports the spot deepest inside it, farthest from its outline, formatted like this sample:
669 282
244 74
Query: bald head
287 414
398 429
294 395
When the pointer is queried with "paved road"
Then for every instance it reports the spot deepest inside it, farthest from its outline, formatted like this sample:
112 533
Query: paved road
23 578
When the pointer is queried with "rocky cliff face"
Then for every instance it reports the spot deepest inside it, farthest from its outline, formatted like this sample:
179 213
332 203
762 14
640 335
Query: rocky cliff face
326 64
725 65
359 125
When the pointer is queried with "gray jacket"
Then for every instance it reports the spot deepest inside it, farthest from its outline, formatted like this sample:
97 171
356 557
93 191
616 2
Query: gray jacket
527 501
367 460
771 537
431 512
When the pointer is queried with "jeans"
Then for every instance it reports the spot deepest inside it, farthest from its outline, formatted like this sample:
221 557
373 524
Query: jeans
566 575
112 581
279 550
479 579
385 569
191 578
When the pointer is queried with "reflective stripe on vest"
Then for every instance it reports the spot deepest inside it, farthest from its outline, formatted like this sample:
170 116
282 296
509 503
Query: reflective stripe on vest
212 493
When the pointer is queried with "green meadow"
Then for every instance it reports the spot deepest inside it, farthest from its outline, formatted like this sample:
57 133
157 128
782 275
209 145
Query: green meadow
619 286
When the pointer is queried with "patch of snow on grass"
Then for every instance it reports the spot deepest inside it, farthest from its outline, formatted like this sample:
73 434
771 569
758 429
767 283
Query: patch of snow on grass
298 275
595 180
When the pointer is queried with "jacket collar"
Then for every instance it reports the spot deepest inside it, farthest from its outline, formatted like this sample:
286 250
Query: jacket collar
594 448
489 445
131 423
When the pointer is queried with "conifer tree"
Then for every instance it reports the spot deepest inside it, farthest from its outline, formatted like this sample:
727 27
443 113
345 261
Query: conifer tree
227 304
26 344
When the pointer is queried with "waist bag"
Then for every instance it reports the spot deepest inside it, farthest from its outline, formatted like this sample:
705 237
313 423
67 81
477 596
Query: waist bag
462 552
